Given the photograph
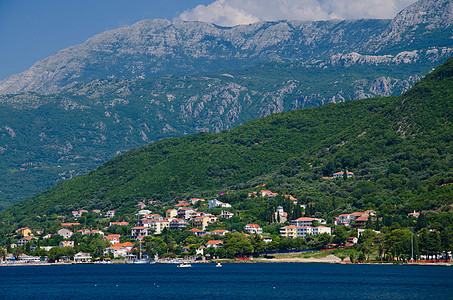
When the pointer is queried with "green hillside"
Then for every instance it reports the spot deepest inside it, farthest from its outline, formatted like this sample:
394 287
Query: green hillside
48 139
399 148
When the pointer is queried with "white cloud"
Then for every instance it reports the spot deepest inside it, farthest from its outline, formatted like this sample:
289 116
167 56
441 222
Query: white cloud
235 12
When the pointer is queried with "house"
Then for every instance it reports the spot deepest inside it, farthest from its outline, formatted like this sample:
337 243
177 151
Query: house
141 205
69 224
267 193
220 232
139 231
127 245
23 241
47 236
171 213
291 198
303 221
200 250
214 243
158 225
178 224
96 231
82 257
293 231
96 211
110 214
112 238
66 244
215 203
321 229
290 231
117 251
226 214
119 223
280 216
197 231
195 200
413 214
341 174
142 212
38 231
186 213
361 217
84 231
25 231
65 233
253 228
181 204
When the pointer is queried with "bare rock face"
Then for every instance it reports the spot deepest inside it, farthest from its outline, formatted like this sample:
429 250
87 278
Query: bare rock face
152 48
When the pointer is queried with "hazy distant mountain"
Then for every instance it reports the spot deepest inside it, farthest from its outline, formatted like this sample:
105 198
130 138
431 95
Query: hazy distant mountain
153 48
131 86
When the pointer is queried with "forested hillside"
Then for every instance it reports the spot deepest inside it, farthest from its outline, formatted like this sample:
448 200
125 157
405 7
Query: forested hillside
399 149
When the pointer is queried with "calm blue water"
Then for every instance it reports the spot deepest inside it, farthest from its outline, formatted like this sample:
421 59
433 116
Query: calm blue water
232 281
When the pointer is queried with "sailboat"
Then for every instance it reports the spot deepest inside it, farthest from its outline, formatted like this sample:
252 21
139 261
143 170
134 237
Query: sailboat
140 260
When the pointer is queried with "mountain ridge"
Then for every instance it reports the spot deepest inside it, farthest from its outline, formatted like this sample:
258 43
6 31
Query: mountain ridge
153 48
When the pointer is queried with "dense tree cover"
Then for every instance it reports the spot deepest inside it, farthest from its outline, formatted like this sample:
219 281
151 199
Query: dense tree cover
47 139
398 148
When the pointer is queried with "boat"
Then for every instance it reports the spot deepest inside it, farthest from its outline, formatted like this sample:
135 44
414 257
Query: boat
140 260
218 265
184 265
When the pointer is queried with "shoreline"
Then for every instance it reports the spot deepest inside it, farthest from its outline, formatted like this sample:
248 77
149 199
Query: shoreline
330 259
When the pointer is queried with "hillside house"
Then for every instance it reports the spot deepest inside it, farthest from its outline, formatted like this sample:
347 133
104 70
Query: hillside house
226 214
215 203
171 213
214 244
112 238
110 214
253 228
306 221
66 244
65 233
25 231
341 174
139 231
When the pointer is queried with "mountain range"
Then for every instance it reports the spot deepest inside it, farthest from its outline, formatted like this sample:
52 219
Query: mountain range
129 87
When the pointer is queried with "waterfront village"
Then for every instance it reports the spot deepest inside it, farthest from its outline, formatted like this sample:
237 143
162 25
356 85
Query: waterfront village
205 230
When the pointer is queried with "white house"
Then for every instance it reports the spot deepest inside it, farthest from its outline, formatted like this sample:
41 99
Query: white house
226 214
253 228
139 231
215 203
214 243
110 214
82 257
65 233
116 251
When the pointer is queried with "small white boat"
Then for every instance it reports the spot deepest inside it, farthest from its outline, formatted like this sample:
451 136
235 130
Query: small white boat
184 265
140 261
218 265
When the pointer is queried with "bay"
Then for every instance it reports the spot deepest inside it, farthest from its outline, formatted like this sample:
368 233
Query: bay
232 281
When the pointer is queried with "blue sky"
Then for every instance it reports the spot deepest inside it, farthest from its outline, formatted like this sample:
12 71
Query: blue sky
31 30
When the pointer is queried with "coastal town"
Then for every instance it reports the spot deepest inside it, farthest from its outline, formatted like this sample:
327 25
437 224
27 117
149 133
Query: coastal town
208 230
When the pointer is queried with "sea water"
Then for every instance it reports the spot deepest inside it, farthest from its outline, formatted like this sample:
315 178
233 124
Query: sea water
232 281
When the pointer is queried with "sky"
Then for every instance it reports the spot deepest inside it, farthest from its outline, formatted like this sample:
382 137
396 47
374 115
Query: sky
31 30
